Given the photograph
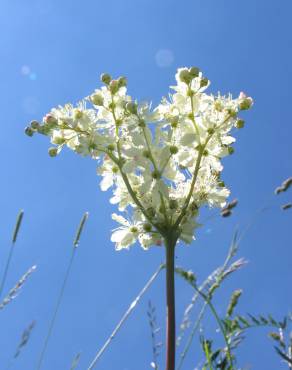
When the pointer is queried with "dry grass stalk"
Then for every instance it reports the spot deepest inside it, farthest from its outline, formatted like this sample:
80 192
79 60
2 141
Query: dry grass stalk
284 186
9 258
15 290
125 316
286 206
24 338
61 294
75 361
151 313
227 210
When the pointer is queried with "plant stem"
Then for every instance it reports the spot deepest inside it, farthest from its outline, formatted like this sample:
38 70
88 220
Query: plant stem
58 304
190 339
8 261
124 318
170 243
219 322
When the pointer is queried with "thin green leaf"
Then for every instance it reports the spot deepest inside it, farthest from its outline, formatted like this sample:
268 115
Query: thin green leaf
283 355
243 320
273 321
254 320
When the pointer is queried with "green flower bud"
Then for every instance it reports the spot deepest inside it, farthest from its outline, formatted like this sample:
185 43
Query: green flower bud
114 87
147 227
146 154
156 175
218 106
29 131
106 78
115 169
239 123
210 131
111 147
92 146
34 125
44 130
122 81
78 114
245 104
194 72
173 204
231 113
53 151
50 120
230 150
141 123
221 184
59 140
173 149
112 106
97 99
204 82
185 76
174 122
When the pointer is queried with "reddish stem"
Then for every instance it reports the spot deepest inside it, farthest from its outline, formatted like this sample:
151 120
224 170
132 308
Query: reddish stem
170 301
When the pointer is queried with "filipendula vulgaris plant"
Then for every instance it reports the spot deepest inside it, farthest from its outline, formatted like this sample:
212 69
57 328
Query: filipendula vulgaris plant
162 164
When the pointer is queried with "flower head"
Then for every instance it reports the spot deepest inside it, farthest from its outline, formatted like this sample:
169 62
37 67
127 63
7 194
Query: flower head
163 164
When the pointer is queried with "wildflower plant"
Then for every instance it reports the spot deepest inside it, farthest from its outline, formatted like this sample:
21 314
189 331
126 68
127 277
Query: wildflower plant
163 164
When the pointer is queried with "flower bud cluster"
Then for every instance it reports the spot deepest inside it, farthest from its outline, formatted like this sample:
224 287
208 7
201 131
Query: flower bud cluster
164 163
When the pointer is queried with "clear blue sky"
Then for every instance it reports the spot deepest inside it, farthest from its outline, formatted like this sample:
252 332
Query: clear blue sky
53 52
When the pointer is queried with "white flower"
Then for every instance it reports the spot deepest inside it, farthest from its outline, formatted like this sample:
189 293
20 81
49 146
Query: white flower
188 231
134 159
149 239
162 164
109 173
125 235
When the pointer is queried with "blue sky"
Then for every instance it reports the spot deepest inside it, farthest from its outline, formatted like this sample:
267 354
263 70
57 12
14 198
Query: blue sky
53 52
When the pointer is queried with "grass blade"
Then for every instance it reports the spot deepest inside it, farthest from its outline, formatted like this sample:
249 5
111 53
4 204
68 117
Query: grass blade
61 294
9 258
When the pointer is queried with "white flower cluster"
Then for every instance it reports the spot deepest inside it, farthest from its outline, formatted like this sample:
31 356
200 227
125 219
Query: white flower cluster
163 164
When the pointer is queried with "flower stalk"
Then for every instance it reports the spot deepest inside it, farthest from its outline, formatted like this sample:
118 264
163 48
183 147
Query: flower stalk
170 243
163 164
